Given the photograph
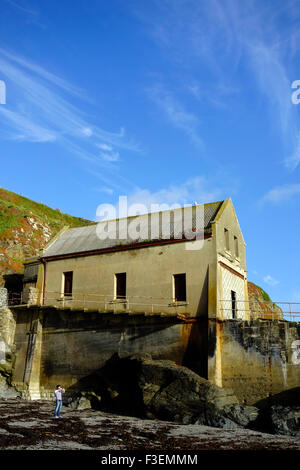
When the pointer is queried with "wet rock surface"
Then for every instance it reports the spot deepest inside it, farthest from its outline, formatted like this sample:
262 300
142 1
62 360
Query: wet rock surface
285 420
160 389
28 425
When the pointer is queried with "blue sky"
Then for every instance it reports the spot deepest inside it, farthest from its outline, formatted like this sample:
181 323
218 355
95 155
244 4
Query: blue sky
166 101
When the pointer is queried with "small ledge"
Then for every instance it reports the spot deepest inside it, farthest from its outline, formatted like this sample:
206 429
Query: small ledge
178 304
118 301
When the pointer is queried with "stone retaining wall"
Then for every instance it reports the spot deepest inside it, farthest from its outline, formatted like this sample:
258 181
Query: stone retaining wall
255 358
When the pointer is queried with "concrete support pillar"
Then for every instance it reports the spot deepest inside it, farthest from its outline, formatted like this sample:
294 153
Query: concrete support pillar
212 291
33 358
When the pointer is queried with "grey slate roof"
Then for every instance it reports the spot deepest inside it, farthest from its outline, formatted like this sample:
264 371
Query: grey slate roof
141 229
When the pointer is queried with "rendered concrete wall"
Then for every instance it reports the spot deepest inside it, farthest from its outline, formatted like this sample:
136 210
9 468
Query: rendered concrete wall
149 273
63 347
256 358
231 267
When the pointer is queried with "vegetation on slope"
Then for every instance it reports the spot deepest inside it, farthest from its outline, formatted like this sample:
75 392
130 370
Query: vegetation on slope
25 228
261 304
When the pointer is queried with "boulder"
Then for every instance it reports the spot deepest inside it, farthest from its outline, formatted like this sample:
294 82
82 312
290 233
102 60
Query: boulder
83 401
143 387
6 368
178 394
6 390
285 420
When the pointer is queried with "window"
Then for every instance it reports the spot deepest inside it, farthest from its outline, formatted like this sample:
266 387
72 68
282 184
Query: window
120 286
233 303
226 239
236 247
68 283
179 287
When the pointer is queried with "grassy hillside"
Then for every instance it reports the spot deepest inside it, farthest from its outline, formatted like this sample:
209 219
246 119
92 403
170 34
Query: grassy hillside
26 227
261 303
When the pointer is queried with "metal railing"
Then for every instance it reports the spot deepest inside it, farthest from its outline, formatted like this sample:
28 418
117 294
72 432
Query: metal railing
227 309
253 309
102 302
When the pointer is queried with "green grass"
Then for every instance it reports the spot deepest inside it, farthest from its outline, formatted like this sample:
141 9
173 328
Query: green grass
266 296
14 213
15 208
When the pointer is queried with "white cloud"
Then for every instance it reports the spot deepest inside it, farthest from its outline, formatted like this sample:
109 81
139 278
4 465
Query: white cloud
176 113
38 110
26 129
104 147
293 160
110 156
87 131
193 190
282 193
271 281
220 36
104 189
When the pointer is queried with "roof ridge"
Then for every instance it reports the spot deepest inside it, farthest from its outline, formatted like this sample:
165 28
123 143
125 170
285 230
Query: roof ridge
147 213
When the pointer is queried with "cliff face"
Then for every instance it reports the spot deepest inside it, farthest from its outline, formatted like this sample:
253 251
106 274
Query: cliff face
261 304
25 228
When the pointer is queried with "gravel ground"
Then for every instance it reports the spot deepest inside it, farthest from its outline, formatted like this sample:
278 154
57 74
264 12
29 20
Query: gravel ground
30 426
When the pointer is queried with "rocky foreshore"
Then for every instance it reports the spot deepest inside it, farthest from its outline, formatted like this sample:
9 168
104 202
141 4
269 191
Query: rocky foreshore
160 389
29 425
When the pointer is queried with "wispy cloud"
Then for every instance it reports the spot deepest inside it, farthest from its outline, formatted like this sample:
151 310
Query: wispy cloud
42 73
270 280
22 8
220 38
281 193
293 160
216 94
39 109
25 128
196 189
176 113
108 153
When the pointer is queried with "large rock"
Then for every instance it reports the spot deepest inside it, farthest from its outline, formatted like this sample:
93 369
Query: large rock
285 420
280 413
6 390
83 401
178 394
6 368
141 386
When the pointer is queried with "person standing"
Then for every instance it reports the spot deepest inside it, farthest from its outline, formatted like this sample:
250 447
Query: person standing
58 395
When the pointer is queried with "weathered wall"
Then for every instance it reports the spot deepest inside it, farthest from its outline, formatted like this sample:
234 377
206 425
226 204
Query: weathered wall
149 283
62 346
7 320
256 358
231 266
7 357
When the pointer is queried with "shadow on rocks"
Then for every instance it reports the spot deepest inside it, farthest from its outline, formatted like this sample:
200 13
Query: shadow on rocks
279 413
158 389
